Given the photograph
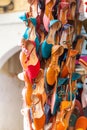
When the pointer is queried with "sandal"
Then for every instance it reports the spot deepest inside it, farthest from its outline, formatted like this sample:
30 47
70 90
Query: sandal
31 60
68 68
50 40
54 26
31 24
62 117
39 86
72 10
32 34
38 113
33 4
48 13
67 35
53 69
63 9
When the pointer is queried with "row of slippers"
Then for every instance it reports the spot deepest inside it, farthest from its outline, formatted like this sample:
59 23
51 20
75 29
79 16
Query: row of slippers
64 10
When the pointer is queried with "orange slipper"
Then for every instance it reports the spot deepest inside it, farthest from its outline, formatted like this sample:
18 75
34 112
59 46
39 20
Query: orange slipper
38 113
53 69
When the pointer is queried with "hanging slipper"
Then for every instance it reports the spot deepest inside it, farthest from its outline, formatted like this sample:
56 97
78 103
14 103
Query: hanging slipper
54 26
38 112
50 40
67 35
53 69
72 10
29 60
38 86
48 88
63 9
32 34
70 63
32 61
48 13
31 24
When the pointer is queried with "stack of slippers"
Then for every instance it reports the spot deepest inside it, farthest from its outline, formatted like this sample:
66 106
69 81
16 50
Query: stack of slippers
49 50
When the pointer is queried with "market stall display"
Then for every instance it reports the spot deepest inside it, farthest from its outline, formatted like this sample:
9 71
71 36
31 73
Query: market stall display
50 46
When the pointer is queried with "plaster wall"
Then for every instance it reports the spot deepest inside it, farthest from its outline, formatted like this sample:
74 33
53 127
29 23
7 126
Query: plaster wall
10 96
